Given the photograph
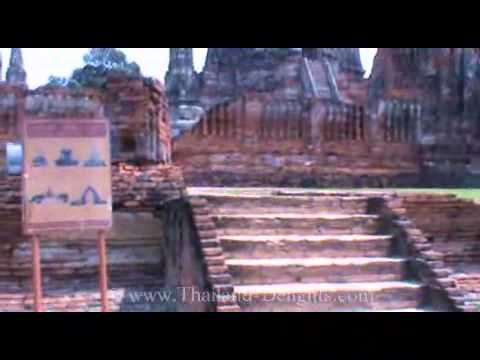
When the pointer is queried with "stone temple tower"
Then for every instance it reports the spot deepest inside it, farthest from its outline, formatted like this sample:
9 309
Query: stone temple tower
285 74
16 73
181 79
182 85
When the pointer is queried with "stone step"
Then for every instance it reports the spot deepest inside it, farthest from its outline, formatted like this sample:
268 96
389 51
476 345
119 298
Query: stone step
300 204
296 224
297 246
321 297
403 310
311 270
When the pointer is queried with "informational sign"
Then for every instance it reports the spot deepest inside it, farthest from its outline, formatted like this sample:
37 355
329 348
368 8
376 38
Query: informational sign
67 175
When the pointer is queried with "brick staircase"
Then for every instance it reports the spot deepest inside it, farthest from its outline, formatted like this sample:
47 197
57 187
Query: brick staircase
321 77
311 253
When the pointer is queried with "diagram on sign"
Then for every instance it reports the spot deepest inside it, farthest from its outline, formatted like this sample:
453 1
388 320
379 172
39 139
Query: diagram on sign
95 160
49 197
89 196
66 158
40 160
68 175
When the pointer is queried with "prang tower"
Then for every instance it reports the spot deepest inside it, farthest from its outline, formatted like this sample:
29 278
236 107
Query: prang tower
182 85
16 74
287 74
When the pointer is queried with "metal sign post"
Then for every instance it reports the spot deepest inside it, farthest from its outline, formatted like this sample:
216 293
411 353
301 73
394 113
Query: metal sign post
37 272
37 275
102 252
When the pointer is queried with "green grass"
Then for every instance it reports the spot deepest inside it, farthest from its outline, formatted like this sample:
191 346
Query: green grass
470 194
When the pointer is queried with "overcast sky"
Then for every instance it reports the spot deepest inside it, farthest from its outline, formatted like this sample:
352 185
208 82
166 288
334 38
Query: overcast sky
40 63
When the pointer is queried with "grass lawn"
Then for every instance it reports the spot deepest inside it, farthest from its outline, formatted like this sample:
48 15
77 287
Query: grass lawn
470 194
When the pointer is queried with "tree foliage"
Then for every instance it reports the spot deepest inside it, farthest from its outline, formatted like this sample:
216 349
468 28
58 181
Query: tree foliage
57 81
99 63
109 58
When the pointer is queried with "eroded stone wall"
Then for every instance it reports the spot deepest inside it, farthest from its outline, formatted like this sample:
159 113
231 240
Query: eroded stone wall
450 229
140 123
137 110
186 272
451 224
256 141
144 187
446 82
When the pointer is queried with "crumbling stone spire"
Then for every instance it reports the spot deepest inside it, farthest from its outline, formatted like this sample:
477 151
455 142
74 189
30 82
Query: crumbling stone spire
16 73
181 79
212 59
350 60
182 87
181 57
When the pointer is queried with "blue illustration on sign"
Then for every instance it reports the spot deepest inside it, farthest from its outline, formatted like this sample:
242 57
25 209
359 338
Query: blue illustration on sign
49 198
66 158
39 161
95 160
94 197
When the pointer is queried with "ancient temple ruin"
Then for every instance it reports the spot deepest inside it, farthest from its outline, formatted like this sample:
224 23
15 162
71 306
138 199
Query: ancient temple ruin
143 178
303 118
446 82
16 73
286 73
414 122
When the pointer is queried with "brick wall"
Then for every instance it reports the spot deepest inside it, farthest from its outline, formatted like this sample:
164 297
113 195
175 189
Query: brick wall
451 224
143 187
260 141
140 123
137 110
153 249
451 228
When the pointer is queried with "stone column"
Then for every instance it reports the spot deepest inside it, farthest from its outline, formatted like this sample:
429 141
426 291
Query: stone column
378 125
365 125
226 120
251 121
406 123
203 125
317 121
418 121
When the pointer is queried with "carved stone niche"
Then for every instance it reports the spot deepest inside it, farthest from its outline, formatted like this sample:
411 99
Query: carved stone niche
332 158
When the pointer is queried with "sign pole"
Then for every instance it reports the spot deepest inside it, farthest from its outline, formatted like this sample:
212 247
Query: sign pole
102 251
37 274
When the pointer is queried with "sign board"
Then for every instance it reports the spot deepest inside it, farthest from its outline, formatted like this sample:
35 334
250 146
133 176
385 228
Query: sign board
67 175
